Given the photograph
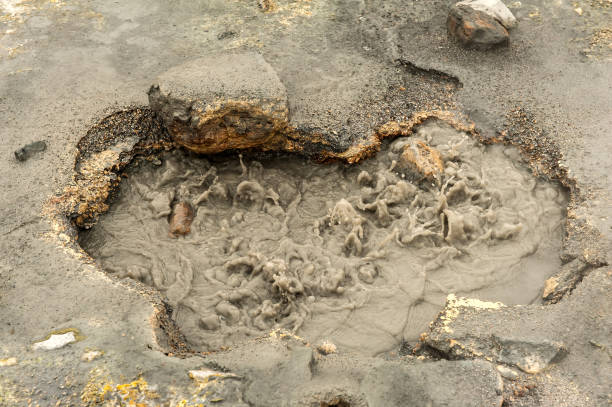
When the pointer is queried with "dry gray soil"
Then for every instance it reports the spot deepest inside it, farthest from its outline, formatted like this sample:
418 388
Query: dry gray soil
364 260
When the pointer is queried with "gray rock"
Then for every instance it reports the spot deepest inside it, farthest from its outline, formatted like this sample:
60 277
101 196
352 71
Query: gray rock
286 376
453 333
507 372
495 8
226 35
475 29
529 356
222 102
29 150
562 283
283 371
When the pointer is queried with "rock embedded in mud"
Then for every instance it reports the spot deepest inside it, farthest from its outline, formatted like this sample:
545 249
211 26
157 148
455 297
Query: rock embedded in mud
181 218
91 355
495 8
223 102
420 161
475 29
507 372
204 375
327 348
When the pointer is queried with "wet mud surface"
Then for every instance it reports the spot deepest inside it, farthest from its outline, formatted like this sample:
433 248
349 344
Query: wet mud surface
241 245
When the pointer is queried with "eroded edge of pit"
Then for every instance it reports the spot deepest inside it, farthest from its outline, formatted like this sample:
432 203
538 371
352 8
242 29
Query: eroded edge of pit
112 144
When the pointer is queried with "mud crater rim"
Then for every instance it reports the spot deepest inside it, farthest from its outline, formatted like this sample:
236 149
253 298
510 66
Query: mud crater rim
299 155
541 152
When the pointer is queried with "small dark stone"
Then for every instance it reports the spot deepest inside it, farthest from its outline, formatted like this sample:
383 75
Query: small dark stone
226 34
29 150
475 29
266 5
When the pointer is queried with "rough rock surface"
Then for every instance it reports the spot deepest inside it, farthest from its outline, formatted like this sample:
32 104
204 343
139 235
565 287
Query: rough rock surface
495 8
421 161
475 28
223 102
29 150
531 354
424 384
565 280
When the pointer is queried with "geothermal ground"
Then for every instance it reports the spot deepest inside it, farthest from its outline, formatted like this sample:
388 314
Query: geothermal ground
303 202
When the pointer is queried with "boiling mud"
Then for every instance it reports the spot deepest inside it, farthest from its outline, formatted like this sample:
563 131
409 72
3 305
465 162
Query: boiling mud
357 255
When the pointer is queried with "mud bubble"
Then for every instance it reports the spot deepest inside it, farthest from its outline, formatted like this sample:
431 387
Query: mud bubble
360 255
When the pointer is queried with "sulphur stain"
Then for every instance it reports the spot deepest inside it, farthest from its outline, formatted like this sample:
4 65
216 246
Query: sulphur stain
100 390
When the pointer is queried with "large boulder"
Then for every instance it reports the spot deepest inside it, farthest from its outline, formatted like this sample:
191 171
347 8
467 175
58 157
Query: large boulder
223 102
475 28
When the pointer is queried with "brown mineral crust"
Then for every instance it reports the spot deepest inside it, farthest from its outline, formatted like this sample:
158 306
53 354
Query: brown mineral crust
392 129
181 218
422 161
86 199
237 125
267 5
103 155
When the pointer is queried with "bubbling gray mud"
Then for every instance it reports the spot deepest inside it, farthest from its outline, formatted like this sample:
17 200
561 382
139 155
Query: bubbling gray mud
356 255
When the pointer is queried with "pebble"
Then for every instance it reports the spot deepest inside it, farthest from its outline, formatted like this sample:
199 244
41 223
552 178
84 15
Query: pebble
29 150
8 362
55 341
204 375
180 221
507 372
422 161
327 348
91 355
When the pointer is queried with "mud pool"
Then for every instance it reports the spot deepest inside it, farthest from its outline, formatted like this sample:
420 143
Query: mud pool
362 256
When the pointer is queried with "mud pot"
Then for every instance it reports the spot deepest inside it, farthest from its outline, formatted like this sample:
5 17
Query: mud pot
360 255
